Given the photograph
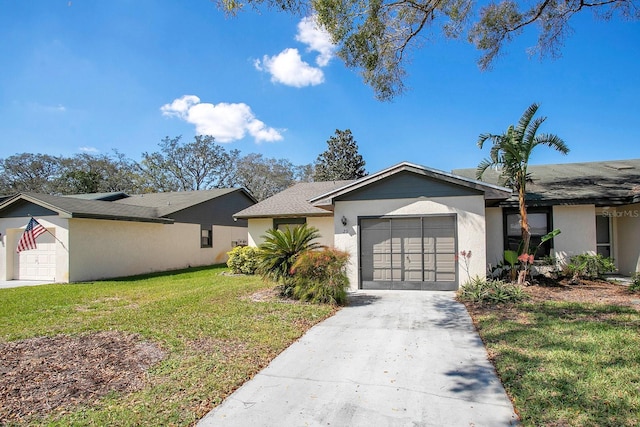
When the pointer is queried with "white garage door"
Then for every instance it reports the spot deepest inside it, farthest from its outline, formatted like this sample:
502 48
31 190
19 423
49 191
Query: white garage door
408 253
37 264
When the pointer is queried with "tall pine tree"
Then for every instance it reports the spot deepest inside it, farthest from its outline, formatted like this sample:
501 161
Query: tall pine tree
340 160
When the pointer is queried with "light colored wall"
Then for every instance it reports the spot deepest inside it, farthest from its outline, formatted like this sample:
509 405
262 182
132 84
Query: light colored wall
257 228
578 230
12 229
223 238
103 249
627 237
471 228
495 235
325 226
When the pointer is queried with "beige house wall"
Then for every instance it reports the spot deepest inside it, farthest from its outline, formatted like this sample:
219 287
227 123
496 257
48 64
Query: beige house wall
471 229
578 231
224 239
325 226
626 221
495 236
259 226
103 249
11 230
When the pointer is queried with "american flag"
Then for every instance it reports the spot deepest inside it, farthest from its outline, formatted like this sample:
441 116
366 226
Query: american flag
28 239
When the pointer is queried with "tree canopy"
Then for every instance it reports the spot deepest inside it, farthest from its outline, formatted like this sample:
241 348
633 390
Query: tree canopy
378 36
340 160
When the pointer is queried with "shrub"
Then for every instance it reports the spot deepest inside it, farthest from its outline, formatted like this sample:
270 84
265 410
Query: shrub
491 291
588 266
280 251
635 283
320 276
243 260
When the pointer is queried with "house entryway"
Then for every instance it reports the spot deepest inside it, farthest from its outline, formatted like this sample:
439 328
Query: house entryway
417 253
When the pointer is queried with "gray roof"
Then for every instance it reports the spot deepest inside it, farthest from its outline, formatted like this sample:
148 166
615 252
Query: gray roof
601 183
490 191
108 197
170 202
293 202
70 207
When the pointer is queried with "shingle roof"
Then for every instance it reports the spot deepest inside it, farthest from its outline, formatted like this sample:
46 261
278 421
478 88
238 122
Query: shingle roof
108 197
600 183
170 202
294 201
70 207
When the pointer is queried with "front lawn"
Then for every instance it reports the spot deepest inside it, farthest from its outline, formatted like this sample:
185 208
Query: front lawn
202 332
565 357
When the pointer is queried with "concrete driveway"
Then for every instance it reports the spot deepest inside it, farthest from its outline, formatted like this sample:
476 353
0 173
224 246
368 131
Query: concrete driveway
391 358
4 284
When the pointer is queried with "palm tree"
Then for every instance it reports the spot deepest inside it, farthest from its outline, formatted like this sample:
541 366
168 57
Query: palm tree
281 249
510 154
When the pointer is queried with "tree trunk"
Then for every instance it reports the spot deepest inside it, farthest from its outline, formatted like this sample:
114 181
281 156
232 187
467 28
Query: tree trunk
526 235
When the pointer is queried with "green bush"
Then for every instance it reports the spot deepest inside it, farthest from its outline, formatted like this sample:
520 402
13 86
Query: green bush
320 276
491 291
243 259
635 283
586 266
280 251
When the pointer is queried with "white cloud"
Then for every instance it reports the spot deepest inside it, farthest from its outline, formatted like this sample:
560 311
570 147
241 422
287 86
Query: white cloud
317 39
289 69
226 122
89 149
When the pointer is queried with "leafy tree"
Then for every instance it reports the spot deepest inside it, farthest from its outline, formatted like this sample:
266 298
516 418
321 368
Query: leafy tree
29 172
198 165
281 249
378 36
510 153
264 177
341 160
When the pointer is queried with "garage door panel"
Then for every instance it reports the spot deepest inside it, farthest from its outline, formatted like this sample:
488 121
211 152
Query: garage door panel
39 263
409 253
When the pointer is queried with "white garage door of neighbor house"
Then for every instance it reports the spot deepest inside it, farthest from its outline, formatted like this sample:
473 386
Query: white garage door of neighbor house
408 253
37 264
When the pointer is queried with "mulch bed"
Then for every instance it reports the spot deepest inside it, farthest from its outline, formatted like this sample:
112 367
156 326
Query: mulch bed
45 374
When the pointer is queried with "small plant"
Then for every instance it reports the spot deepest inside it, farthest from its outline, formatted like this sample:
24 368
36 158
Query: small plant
511 257
281 249
243 260
491 292
466 257
635 283
320 277
586 266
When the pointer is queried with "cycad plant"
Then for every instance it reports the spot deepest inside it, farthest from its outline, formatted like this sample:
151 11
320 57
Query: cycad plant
281 249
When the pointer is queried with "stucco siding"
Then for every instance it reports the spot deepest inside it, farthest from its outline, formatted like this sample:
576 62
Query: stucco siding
224 238
469 211
257 228
627 240
578 231
103 249
495 236
325 226
12 229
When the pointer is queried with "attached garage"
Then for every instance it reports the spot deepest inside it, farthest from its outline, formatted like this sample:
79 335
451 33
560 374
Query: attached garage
37 264
409 253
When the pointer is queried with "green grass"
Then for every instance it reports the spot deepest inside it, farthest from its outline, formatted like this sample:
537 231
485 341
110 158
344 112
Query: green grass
567 364
214 338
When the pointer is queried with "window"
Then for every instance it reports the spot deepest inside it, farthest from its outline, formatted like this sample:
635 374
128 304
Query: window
539 225
206 239
282 223
603 236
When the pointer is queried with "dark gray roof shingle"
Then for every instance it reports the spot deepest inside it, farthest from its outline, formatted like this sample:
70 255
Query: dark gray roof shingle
170 202
600 183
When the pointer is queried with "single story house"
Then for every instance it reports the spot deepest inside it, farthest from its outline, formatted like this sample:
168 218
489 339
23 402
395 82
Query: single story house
406 226
596 206
98 236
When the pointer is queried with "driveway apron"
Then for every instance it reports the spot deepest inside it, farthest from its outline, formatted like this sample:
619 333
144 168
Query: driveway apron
391 358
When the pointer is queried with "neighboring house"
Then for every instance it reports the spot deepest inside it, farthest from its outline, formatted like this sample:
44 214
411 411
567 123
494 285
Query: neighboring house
404 226
97 236
596 206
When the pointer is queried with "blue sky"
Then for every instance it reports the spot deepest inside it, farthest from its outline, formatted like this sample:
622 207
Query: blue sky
95 76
